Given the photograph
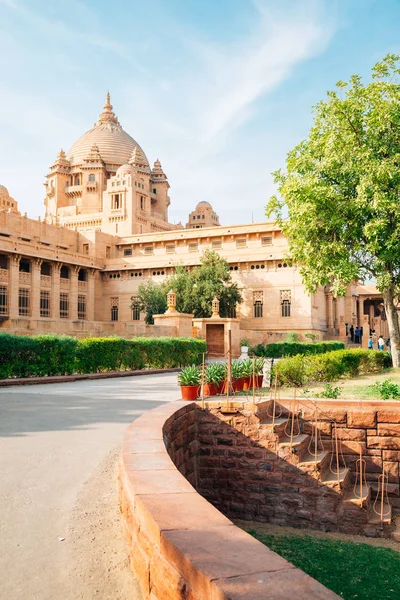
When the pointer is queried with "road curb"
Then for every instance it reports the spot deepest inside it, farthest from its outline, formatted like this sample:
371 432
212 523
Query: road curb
80 377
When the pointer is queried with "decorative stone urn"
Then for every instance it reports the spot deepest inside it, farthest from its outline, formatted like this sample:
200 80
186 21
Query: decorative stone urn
171 302
215 309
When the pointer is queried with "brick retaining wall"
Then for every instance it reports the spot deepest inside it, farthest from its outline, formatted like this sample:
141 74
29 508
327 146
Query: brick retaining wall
181 547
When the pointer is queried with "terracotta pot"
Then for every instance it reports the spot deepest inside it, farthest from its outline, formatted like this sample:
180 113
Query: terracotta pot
237 384
247 383
190 392
259 380
221 387
210 389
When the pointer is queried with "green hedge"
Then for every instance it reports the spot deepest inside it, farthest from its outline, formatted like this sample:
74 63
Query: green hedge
39 356
298 370
280 349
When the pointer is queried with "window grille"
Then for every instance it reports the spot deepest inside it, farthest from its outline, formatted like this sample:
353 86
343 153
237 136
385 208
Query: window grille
148 250
193 247
44 303
241 243
258 309
135 313
64 306
127 251
3 300
24 300
266 241
286 299
170 248
82 308
216 245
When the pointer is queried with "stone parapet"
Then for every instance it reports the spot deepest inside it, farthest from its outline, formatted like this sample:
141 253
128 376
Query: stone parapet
182 547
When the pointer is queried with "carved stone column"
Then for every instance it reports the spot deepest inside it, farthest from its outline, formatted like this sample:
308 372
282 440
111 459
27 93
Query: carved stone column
90 298
73 294
14 286
55 291
329 310
35 288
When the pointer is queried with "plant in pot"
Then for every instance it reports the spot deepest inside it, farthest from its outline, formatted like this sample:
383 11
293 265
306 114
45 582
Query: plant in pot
244 348
237 375
258 372
189 380
247 372
214 378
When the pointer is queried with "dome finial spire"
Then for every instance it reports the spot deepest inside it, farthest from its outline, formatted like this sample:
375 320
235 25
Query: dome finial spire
107 116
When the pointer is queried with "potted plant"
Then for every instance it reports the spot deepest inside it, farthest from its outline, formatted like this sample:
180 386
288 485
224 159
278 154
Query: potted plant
189 380
214 378
258 372
244 348
237 375
247 373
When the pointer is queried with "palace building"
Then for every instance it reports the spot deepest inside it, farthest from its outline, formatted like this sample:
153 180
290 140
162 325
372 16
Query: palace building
106 230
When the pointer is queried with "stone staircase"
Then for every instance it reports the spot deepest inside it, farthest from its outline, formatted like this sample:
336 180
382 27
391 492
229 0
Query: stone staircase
351 507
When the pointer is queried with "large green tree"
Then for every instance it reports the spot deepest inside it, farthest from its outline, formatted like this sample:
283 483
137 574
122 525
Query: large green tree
339 201
195 290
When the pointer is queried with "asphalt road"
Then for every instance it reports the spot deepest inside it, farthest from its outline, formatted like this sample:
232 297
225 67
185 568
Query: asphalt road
54 439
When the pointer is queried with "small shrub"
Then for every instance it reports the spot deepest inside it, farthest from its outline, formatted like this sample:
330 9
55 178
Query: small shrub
387 390
292 371
330 392
292 337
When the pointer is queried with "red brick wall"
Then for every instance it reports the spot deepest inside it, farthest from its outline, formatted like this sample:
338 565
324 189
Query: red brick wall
180 546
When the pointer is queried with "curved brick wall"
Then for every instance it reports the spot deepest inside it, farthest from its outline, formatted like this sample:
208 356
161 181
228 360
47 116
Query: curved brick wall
181 547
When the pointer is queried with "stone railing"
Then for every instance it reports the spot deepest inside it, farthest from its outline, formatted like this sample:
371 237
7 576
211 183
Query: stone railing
64 283
45 280
182 547
24 277
82 286
3 274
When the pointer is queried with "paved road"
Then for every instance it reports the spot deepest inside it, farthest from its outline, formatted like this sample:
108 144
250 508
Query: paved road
54 440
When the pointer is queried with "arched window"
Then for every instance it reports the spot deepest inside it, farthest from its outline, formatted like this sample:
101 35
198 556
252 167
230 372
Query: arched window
64 272
92 177
45 269
82 275
286 300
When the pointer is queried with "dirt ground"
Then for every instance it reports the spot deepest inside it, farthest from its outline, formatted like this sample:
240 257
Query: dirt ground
98 555
278 530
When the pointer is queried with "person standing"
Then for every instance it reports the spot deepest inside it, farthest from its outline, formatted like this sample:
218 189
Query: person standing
381 343
357 335
370 343
352 333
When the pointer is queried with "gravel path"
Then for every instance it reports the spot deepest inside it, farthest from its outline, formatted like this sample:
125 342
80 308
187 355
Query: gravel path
60 531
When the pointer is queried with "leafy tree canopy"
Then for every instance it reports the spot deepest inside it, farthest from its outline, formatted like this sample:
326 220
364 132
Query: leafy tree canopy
195 290
341 190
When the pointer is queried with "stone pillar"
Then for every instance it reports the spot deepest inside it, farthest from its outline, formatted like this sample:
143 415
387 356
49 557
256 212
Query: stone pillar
342 329
55 295
361 312
329 310
14 286
73 293
365 337
90 298
371 314
35 288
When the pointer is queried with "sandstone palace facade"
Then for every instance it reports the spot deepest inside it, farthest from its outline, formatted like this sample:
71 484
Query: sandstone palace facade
106 230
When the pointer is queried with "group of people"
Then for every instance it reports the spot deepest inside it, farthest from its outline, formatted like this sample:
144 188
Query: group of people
381 342
356 335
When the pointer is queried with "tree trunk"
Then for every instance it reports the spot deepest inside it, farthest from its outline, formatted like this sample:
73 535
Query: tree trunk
393 323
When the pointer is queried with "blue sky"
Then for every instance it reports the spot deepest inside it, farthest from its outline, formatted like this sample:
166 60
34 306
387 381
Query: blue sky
218 90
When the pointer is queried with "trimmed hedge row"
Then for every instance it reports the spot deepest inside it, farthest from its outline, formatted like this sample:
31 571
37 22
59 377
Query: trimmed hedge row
43 355
280 349
298 370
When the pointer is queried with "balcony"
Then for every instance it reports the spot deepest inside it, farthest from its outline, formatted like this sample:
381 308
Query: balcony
91 186
73 191
3 274
45 281
82 286
64 283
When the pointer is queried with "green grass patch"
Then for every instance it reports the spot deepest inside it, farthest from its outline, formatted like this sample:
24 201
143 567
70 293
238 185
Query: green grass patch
349 569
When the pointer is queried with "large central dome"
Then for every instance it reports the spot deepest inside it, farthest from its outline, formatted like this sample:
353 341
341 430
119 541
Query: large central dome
114 144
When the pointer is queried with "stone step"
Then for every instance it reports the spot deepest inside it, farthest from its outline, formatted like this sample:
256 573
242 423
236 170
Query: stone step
334 480
298 440
375 519
312 461
279 423
353 495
